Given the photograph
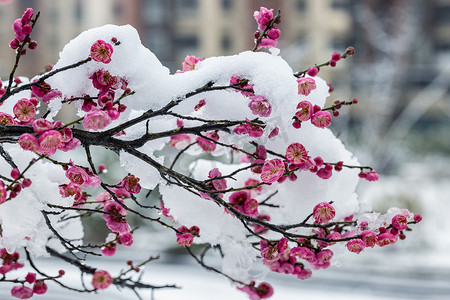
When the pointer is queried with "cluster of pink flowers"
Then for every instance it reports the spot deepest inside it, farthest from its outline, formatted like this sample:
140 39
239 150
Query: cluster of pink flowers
50 139
267 33
243 202
258 104
249 128
215 184
369 176
100 114
308 112
185 236
44 90
39 287
208 145
9 261
114 215
22 30
262 291
24 112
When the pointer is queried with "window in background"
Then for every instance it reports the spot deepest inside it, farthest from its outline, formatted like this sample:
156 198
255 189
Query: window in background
226 43
227 5
300 5
155 11
186 45
186 7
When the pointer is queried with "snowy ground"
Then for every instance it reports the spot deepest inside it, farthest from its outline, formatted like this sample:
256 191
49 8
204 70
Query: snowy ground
374 276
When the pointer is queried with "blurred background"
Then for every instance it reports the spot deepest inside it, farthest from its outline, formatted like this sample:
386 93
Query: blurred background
400 73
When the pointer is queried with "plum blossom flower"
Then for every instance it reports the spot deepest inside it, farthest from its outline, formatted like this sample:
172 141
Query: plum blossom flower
260 106
109 249
103 80
313 71
263 291
272 170
3 192
385 239
179 141
96 119
269 43
126 239
39 287
356 245
296 154
30 278
321 119
25 111
206 144
21 292
113 216
51 95
369 237
306 85
323 212
323 259
189 63
101 51
305 112
399 222
49 142
185 239
263 17
101 279
28 142
131 184
6 119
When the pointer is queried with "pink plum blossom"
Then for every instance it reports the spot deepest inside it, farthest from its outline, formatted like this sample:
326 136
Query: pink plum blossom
399 222
21 292
355 245
49 142
296 154
185 239
28 142
321 119
25 111
30 278
189 63
323 212
269 43
313 71
101 51
369 237
208 145
40 287
306 85
272 170
263 17
126 239
260 106
371 176
179 141
103 80
51 95
114 217
323 259
304 274
101 280
96 119
305 111
385 239
3 192
41 125
131 184
6 119
109 249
